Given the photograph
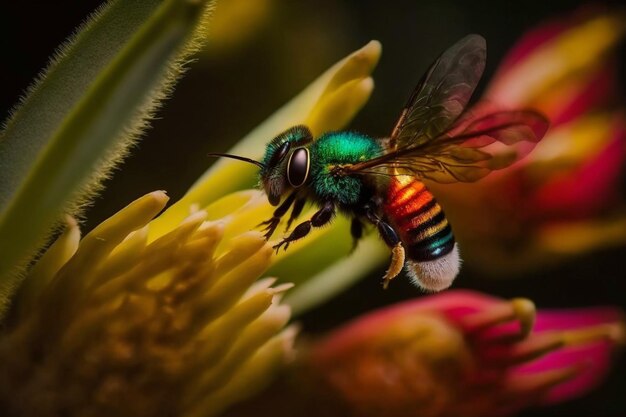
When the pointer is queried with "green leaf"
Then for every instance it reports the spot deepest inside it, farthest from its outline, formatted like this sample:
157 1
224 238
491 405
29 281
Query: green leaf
76 122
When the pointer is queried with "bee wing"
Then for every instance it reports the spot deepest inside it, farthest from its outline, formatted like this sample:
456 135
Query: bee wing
436 139
475 146
442 94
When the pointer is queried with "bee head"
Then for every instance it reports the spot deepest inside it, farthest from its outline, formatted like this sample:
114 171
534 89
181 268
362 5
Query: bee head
285 164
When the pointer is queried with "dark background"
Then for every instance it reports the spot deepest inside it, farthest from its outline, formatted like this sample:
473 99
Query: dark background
231 89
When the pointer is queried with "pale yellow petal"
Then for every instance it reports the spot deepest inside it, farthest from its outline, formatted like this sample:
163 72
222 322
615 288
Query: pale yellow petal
96 246
249 341
235 275
251 378
49 265
114 230
123 257
159 255
219 336
336 109
148 327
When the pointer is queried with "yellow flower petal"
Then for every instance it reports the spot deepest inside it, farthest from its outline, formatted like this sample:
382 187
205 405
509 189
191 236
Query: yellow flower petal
252 375
253 336
335 109
136 327
49 265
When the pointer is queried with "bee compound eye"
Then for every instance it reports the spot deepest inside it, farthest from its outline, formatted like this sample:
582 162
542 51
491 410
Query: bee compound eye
298 167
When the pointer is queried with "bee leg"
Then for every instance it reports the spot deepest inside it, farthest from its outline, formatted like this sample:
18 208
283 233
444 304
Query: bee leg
397 251
272 224
395 267
319 219
295 212
391 238
356 230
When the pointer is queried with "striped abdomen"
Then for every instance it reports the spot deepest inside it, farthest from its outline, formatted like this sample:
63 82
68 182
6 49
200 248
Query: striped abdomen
419 220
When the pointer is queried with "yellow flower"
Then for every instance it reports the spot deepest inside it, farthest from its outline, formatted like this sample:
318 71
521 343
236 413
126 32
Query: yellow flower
119 325
146 317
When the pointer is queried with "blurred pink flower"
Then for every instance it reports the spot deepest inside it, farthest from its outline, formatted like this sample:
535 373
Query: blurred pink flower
465 354
563 198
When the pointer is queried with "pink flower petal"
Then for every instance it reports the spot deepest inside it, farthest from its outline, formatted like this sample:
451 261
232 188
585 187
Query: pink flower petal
592 360
592 363
465 353
550 320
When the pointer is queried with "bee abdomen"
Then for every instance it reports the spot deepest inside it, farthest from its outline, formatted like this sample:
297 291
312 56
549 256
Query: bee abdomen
420 221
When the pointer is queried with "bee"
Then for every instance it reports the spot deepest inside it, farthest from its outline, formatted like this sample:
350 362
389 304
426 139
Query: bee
383 181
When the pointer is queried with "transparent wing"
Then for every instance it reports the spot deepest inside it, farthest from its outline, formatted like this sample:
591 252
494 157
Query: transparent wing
476 146
436 139
442 94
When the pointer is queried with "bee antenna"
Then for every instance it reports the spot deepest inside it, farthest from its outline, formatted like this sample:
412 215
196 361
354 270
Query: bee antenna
237 157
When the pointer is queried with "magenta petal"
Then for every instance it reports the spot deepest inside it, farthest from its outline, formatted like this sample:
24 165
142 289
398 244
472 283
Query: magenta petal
592 363
549 320
595 363
591 360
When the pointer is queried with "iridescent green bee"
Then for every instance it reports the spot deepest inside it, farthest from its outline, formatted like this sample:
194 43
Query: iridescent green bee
382 181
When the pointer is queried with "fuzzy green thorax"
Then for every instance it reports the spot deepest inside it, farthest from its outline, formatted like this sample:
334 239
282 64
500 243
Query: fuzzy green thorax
339 148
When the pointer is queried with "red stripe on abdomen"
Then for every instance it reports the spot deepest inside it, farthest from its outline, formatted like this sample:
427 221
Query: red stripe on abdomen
418 219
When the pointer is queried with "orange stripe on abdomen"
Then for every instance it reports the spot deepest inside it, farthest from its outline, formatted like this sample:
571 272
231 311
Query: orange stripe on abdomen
418 219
